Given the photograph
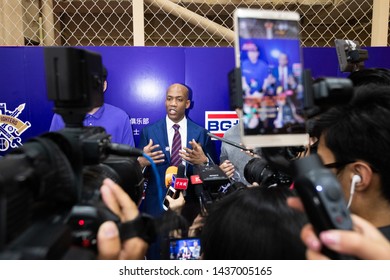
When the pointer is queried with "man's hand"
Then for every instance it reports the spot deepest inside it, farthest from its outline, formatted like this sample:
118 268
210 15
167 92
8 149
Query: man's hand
156 155
194 155
109 244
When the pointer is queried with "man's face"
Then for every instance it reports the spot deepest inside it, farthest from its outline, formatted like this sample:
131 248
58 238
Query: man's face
283 61
176 102
253 55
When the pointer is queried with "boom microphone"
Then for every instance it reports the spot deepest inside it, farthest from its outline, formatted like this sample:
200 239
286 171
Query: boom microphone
232 143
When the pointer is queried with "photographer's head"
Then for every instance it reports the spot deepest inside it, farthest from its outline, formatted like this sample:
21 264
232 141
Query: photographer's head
354 139
253 224
378 76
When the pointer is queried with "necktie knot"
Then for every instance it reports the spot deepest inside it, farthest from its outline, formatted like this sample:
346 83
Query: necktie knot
176 127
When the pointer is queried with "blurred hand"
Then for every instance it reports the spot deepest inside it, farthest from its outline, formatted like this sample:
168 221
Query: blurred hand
109 244
364 242
228 168
196 227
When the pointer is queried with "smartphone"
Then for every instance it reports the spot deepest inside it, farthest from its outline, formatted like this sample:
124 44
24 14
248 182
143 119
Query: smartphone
172 192
268 53
185 249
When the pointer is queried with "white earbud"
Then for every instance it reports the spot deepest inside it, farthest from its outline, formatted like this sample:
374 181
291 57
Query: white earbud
355 180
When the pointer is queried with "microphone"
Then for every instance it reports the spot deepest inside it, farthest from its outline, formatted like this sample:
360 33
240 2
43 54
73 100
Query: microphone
171 170
232 143
180 181
203 196
169 174
197 182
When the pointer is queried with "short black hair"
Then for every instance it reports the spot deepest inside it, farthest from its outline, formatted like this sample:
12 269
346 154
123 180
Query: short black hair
360 130
105 73
376 75
253 224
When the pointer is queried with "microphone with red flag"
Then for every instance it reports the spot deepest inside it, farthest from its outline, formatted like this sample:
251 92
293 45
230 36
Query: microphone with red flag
203 196
177 183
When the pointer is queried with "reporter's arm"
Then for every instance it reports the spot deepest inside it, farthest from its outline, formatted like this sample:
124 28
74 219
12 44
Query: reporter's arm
364 242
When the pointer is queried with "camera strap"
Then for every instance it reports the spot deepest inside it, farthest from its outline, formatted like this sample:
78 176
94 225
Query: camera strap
143 227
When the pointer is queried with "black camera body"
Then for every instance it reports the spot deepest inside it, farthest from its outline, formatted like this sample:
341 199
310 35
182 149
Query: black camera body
211 184
322 197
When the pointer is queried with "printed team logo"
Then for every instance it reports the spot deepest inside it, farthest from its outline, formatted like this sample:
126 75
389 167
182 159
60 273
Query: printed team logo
218 122
11 127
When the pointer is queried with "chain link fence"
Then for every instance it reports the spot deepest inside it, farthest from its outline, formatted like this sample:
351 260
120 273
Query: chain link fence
171 23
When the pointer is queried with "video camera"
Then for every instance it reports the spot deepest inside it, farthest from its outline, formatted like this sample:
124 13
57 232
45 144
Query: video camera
211 184
47 210
350 56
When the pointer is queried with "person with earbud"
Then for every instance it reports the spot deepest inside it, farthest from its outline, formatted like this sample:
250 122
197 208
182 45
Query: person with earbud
354 142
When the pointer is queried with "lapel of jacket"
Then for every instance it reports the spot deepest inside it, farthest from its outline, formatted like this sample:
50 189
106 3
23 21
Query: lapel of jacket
190 132
163 139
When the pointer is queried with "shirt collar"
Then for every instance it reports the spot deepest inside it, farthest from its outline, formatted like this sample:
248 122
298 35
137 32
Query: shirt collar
170 123
99 113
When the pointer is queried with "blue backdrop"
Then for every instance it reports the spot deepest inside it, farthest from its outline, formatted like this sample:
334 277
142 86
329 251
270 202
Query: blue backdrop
137 80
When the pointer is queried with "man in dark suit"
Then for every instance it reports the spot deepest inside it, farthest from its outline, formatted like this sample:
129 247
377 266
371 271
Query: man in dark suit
156 141
283 73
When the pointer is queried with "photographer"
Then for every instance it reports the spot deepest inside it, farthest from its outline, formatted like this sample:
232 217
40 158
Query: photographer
354 140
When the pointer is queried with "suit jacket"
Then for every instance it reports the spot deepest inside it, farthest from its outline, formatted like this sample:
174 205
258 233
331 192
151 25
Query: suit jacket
276 74
152 203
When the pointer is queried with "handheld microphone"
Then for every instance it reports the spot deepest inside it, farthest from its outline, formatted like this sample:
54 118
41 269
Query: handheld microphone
171 170
203 196
180 181
195 180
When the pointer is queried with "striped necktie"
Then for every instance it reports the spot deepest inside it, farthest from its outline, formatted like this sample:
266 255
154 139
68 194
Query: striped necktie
176 146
